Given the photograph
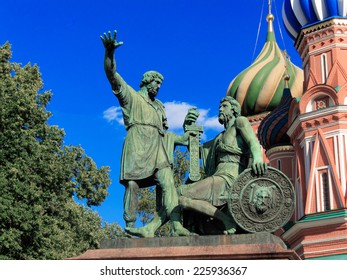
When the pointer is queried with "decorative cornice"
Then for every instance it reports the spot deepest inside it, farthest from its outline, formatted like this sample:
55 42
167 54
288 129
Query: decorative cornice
328 120
319 27
317 220
317 118
279 149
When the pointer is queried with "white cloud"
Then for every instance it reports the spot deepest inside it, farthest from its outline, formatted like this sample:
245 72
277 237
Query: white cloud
114 114
175 113
208 122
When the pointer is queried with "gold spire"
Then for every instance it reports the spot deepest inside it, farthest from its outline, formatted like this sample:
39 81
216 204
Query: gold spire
270 18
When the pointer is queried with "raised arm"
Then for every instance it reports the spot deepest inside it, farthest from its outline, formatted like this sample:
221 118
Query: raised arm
111 44
258 165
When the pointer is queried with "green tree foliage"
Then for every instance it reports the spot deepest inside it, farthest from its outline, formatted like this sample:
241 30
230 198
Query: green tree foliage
40 176
147 204
181 166
112 231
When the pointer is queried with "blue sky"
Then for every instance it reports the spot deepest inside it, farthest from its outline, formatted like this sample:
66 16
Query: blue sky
198 46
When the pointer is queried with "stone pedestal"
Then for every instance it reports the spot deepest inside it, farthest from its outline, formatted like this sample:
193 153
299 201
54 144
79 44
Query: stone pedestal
213 247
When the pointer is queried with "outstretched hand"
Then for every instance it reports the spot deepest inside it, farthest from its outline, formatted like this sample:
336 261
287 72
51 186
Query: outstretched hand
110 43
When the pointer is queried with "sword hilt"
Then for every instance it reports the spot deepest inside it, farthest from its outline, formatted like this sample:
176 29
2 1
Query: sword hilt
194 143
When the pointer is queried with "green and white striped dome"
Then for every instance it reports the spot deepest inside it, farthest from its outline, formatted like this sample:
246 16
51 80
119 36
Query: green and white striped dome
259 87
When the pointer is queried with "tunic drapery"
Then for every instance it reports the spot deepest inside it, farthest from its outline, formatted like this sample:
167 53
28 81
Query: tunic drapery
147 146
221 160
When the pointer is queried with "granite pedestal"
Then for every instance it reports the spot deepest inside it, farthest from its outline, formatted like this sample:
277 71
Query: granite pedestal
221 247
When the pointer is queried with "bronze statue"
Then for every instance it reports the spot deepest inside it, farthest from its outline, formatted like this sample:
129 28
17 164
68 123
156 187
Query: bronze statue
148 147
147 160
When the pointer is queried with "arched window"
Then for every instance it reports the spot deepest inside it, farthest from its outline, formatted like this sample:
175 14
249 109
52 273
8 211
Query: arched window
324 66
326 191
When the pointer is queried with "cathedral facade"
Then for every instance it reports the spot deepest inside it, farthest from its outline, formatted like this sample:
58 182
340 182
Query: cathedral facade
300 118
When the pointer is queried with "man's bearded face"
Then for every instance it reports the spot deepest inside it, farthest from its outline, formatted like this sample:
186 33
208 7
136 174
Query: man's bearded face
262 201
153 88
225 112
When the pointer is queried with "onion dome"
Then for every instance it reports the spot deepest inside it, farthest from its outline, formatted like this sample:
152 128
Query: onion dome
259 87
272 130
301 13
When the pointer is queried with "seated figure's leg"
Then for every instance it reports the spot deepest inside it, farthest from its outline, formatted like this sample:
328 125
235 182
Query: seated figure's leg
208 209
130 203
199 196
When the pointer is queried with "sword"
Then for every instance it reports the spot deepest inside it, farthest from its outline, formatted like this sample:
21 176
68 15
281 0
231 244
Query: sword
194 144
